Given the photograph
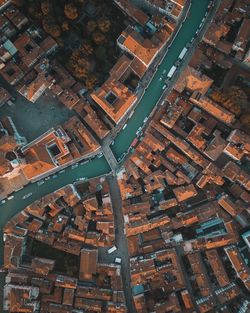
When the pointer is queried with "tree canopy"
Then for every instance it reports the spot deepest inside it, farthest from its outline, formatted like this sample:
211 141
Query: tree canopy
86 39
70 11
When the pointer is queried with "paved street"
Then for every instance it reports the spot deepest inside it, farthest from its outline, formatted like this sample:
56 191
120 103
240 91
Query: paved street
121 241
120 238
180 253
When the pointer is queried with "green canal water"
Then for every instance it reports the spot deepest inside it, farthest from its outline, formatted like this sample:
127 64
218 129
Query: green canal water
154 91
97 167
92 168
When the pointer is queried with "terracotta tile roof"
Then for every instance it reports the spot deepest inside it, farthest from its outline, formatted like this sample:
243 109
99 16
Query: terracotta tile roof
58 147
138 15
186 299
243 36
215 32
88 264
32 91
193 81
68 296
124 99
3 2
90 116
242 270
142 48
29 51
214 109
218 267
12 72
185 192
138 67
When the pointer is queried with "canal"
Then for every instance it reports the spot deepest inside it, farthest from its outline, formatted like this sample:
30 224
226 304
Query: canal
153 93
93 168
96 167
99 166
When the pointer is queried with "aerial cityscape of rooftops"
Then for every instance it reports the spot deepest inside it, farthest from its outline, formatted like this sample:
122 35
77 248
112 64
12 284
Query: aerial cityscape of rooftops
124 156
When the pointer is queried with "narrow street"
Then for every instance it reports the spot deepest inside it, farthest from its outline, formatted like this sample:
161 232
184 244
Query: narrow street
186 278
70 175
121 241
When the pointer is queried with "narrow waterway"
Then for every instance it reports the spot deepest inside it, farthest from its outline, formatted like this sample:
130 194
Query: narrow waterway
99 166
92 168
154 91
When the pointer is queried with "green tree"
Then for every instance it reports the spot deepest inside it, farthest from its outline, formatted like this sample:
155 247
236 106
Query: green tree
70 11
86 48
91 26
98 37
91 81
104 24
46 7
51 27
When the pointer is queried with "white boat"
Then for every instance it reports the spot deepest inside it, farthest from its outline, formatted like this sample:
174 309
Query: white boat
27 196
111 250
81 179
130 115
